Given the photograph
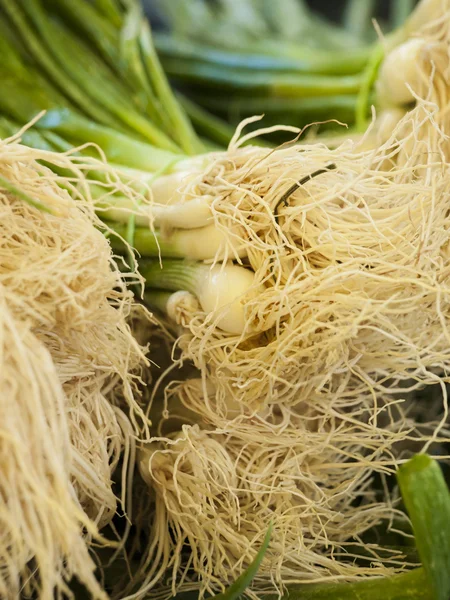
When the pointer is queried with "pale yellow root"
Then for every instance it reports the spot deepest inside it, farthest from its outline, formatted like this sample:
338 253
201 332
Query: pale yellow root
42 542
217 486
69 373
353 271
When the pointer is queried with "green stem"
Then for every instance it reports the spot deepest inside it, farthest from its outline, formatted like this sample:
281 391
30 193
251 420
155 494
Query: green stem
207 124
119 49
305 59
341 107
30 138
118 148
236 589
174 275
365 91
69 57
91 23
407 586
50 142
281 84
109 9
58 143
189 141
200 243
34 45
157 299
427 500
315 85
130 64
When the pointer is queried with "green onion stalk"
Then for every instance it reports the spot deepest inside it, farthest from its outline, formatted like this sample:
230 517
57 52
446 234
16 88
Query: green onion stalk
88 76
280 59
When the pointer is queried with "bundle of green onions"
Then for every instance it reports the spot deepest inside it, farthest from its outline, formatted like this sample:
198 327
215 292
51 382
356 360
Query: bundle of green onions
285 308
277 58
93 69
106 93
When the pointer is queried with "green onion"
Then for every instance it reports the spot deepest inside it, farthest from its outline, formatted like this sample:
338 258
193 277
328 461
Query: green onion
39 53
207 124
292 54
202 243
129 51
191 215
67 54
220 290
305 60
154 70
273 84
296 111
26 94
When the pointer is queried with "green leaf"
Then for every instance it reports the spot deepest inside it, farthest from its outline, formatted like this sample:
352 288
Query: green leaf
407 586
110 9
427 500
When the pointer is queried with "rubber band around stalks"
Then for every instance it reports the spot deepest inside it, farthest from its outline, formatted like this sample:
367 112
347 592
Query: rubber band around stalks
69 373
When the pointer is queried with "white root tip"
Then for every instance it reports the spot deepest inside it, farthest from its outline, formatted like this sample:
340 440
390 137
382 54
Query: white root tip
181 306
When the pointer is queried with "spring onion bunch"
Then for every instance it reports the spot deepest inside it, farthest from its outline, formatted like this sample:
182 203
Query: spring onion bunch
277 58
255 213
328 284
68 363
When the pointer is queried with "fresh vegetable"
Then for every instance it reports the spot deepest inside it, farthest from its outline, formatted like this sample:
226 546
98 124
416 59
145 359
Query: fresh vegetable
221 205
321 296
215 287
138 138
246 206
